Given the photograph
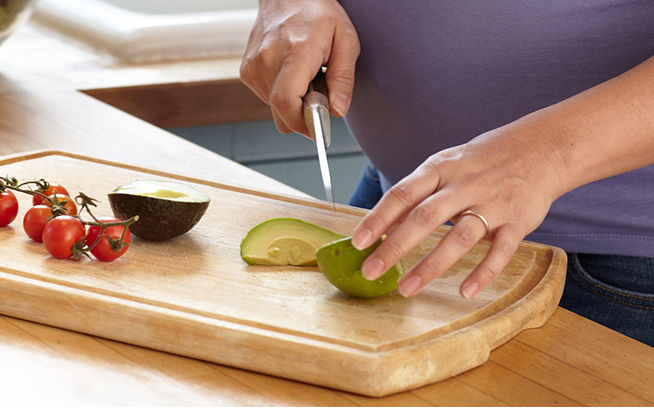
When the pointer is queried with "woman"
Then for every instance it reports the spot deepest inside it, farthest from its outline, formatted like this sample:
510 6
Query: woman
513 119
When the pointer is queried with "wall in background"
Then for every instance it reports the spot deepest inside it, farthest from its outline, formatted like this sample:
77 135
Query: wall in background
289 158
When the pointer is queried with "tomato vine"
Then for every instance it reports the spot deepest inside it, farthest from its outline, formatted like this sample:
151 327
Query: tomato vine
58 208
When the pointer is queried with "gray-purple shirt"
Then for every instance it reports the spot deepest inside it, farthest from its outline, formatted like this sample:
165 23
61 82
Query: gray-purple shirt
435 73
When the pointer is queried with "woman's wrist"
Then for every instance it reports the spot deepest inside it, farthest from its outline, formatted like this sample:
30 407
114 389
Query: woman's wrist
606 130
602 132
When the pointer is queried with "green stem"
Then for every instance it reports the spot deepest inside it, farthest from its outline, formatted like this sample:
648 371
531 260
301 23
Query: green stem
12 184
85 202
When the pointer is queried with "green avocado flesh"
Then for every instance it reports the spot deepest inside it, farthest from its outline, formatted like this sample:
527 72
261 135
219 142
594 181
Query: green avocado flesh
165 209
285 241
341 264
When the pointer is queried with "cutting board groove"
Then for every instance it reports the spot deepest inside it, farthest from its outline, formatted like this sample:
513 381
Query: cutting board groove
194 296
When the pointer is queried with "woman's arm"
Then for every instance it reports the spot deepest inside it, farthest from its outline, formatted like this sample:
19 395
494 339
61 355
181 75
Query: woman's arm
511 175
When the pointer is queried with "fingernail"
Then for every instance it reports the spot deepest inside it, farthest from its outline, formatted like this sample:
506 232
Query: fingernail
341 103
410 286
469 290
361 239
372 268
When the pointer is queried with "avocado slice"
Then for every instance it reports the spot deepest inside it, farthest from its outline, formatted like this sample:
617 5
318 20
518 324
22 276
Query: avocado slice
165 209
285 241
341 264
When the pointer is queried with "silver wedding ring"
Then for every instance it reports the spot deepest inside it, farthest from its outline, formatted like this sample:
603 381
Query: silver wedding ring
479 216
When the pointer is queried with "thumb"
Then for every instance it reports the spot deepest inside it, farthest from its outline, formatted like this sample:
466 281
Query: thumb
340 70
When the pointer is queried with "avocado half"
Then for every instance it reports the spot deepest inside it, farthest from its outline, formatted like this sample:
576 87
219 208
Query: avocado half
341 262
165 209
285 241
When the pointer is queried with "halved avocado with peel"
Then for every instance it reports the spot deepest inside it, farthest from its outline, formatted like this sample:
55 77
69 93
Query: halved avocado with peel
341 262
285 241
165 209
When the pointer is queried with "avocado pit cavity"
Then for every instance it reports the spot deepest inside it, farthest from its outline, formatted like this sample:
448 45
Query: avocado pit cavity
291 251
285 241
163 193
166 209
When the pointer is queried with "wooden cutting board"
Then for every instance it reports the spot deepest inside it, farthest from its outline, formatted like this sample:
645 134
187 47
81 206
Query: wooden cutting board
194 296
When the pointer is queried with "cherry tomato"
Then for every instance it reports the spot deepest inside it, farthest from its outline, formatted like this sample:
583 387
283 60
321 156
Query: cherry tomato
54 187
60 234
70 206
8 208
102 250
34 221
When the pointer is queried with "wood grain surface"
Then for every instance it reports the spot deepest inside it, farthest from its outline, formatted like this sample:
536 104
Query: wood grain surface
179 105
194 295
569 361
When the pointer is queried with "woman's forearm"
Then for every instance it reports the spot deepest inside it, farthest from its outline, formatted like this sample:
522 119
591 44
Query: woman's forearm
604 131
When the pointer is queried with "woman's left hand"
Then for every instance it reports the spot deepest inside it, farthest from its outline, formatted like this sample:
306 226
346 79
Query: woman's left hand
509 176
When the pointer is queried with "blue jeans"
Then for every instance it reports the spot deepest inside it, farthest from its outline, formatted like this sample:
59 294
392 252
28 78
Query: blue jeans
368 191
613 290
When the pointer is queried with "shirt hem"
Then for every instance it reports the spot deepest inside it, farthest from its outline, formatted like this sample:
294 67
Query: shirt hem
608 243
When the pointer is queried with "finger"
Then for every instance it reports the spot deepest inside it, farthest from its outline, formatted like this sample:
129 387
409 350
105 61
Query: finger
291 85
456 243
257 86
281 126
419 223
258 72
340 70
505 243
398 200
396 224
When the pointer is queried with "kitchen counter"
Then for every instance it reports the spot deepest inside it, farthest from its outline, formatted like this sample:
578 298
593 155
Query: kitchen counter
57 94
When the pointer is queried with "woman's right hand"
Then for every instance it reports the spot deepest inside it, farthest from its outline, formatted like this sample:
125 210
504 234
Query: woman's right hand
289 42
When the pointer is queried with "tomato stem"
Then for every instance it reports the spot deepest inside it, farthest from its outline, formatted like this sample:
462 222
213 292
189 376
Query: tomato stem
81 247
41 186
85 202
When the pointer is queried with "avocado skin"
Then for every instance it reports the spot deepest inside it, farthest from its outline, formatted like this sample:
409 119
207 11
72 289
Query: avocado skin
159 219
341 264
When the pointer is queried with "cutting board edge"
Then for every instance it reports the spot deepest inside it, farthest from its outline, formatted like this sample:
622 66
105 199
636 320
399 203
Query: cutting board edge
316 203
498 328
369 373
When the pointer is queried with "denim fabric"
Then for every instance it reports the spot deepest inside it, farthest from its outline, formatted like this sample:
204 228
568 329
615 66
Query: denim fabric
615 291
369 190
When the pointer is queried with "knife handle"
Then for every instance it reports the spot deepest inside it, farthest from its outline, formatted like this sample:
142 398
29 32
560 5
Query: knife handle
318 83
317 91
316 100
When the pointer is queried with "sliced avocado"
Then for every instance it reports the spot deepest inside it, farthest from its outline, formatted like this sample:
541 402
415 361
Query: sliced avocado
341 264
165 209
285 241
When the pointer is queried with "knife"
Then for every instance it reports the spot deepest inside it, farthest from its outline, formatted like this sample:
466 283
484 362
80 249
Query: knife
316 116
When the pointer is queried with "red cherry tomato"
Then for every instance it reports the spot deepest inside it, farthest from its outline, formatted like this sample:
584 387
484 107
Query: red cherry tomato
103 250
54 187
8 208
70 206
34 221
60 234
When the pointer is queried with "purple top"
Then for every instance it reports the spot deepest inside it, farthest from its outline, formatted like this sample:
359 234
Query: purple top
435 74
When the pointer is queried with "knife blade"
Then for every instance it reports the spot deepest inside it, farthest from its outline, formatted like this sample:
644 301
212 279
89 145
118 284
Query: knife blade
316 116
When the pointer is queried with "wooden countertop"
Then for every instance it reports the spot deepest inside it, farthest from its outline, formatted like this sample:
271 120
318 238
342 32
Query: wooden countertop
48 91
